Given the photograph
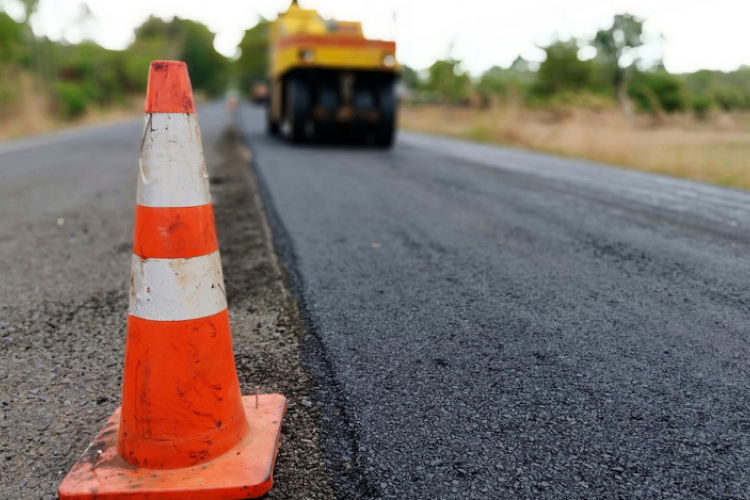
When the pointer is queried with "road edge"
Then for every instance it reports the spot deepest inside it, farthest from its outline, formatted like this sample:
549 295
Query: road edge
338 430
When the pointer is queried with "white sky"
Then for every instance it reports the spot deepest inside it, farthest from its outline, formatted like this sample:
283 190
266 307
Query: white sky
700 34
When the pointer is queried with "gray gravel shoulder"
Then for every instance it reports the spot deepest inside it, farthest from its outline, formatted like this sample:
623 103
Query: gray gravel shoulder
266 326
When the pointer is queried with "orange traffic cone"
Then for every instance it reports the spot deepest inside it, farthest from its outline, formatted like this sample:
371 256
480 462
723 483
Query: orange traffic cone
183 431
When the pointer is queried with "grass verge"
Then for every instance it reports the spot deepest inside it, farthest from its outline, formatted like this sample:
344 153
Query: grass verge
714 151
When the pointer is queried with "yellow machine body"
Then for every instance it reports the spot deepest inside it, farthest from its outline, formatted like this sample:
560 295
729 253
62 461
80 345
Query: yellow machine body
326 72
302 38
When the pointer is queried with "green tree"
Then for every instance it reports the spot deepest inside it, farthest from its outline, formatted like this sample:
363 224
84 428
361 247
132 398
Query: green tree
506 83
252 64
184 40
493 83
732 90
563 71
729 91
701 82
208 69
99 72
12 48
76 76
612 44
154 39
448 81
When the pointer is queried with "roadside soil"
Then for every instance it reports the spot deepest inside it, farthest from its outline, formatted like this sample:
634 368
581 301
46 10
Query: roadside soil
61 360
266 326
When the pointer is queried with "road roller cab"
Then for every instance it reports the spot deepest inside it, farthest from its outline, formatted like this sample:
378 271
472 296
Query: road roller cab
328 81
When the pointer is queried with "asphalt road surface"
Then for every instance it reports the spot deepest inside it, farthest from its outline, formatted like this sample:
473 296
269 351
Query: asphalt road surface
490 323
483 322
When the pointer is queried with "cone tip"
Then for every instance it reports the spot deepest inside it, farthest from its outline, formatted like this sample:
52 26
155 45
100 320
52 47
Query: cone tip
169 89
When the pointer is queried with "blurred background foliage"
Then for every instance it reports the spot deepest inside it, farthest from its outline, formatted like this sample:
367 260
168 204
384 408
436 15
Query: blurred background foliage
250 67
76 77
603 71
612 75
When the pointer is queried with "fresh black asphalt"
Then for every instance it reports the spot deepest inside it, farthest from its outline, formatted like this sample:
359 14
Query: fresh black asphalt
490 323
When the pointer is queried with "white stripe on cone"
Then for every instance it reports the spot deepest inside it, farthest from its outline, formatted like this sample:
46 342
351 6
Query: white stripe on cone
177 289
173 171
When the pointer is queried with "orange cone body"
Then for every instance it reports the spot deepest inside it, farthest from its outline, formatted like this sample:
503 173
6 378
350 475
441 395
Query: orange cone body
183 430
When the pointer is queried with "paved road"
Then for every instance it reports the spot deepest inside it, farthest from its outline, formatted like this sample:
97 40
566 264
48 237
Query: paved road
501 324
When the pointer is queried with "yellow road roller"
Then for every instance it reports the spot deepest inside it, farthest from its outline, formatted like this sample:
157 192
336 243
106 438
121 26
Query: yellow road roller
327 81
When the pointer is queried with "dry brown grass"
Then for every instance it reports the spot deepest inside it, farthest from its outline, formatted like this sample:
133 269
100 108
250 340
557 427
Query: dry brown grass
715 151
32 114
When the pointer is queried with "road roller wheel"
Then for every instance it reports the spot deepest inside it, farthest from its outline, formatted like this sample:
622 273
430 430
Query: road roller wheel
297 110
386 128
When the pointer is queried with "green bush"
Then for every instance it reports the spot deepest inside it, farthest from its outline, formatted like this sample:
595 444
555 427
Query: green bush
658 91
701 106
492 83
582 99
448 82
71 99
9 94
729 98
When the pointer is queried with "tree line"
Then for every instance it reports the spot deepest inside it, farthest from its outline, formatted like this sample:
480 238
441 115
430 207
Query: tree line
76 77
79 76
616 75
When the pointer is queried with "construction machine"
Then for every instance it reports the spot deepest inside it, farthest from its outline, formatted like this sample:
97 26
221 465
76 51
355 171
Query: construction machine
326 80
